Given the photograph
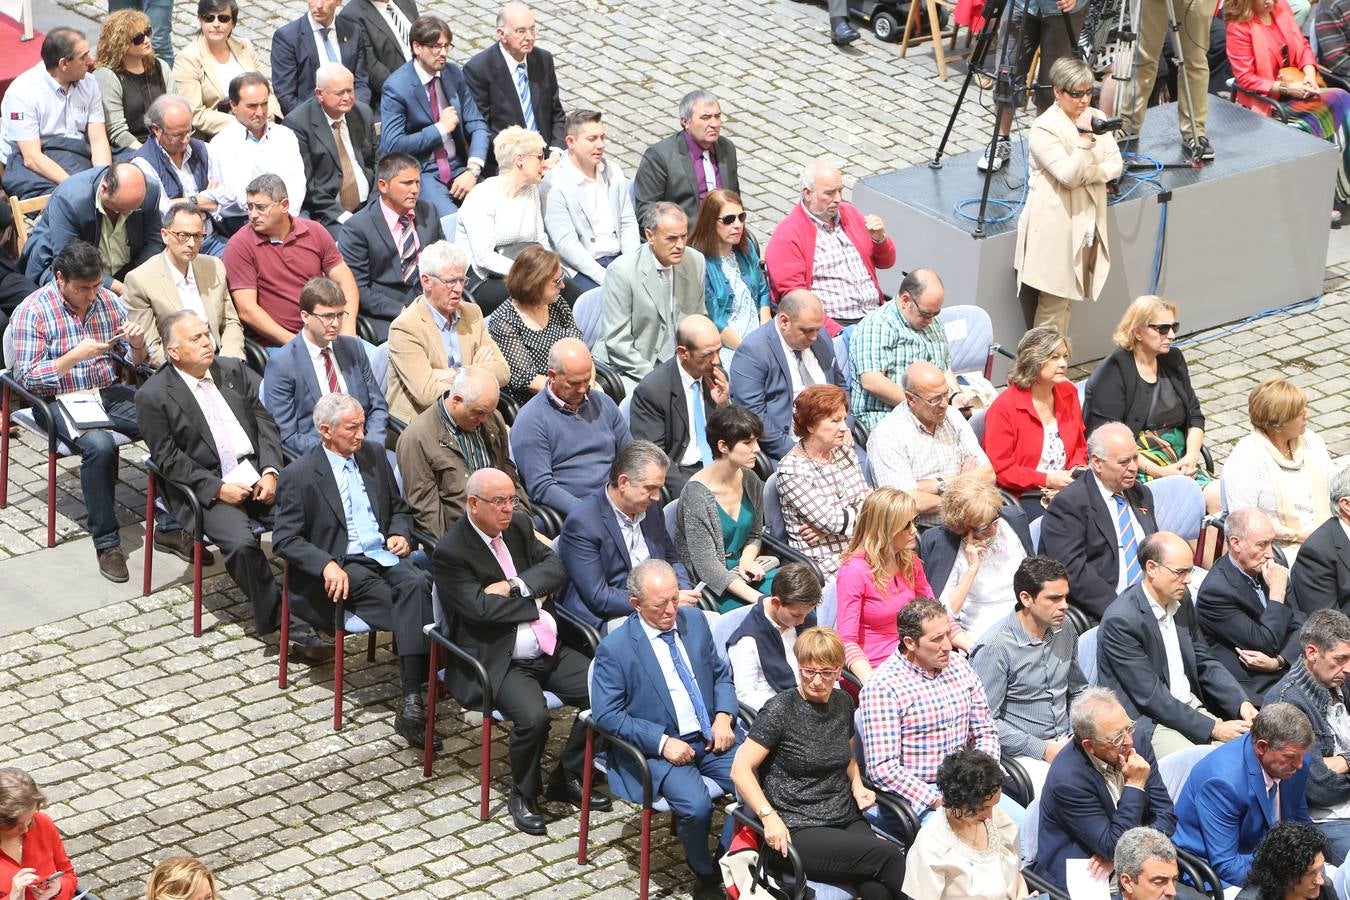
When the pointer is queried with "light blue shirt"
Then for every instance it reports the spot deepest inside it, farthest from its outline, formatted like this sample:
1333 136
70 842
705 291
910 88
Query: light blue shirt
449 336
373 546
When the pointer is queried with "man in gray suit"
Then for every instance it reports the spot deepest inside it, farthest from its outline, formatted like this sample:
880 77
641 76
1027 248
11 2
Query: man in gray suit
685 166
647 293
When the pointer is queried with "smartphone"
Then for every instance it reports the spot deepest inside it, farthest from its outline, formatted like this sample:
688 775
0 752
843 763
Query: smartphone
49 880
698 588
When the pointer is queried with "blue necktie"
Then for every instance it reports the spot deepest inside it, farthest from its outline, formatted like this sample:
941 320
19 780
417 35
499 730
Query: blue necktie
687 679
523 91
701 424
327 45
1128 541
362 517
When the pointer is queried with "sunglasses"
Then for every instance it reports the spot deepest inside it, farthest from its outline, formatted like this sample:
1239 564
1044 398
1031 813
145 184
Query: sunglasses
1078 95
1166 327
732 217
222 18
144 36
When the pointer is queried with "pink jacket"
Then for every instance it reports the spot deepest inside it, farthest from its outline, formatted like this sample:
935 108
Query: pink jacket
865 616
1256 58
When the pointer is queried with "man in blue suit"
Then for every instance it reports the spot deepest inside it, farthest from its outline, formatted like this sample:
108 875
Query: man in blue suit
777 361
612 531
1103 783
297 53
428 112
1238 792
318 361
658 683
78 210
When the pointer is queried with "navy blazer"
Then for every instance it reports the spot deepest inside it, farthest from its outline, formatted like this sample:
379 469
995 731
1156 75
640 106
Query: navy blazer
368 247
761 382
291 390
629 696
1320 577
1078 817
1224 810
1231 615
406 125
939 546
295 59
593 550
71 215
494 90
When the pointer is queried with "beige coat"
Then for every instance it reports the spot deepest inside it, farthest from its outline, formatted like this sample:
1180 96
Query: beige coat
194 76
415 349
1065 198
152 297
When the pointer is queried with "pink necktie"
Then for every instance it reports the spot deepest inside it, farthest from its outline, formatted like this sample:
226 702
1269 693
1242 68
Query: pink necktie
219 427
543 630
442 158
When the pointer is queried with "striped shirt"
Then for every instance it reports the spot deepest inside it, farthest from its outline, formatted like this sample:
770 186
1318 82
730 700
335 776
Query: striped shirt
885 342
911 720
839 277
46 328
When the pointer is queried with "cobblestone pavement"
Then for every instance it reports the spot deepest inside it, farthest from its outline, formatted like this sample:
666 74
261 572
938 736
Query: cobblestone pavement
151 742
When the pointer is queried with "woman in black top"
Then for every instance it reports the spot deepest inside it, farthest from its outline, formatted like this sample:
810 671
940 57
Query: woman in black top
1146 384
129 76
528 325
810 792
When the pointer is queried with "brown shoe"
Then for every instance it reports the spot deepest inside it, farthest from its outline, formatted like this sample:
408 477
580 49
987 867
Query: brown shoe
179 543
112 565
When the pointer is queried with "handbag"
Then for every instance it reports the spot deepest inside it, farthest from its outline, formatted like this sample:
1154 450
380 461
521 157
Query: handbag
743 869
1152 445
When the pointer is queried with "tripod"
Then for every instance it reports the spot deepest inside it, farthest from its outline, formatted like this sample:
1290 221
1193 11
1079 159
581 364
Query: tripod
1123 70
1005 86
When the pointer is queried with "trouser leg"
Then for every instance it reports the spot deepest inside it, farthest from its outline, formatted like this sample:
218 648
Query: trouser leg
1152 28
228 528
853 854
520 698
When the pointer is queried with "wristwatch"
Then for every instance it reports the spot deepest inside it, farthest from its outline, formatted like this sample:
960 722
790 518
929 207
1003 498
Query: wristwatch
941 485
765 810
475 169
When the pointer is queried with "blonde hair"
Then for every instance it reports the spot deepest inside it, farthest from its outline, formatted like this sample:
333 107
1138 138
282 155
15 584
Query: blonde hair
969 503
515 142
1275 402
114 40
819 648
179 878
1138 315
885 513
1037 346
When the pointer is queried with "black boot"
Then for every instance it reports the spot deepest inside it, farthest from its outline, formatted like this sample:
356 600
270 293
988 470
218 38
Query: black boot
841 32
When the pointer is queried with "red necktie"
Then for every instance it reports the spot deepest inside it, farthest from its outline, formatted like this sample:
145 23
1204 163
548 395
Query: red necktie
442 158
330 369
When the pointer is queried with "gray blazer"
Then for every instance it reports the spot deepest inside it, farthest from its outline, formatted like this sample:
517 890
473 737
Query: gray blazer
568 224
667 173
119 134
637 328
698 531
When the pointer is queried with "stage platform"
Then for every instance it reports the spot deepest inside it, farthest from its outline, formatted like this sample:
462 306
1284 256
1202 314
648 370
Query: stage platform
1245 233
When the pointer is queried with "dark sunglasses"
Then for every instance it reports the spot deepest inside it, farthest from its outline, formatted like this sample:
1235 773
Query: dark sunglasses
222 18
144 36
1078 95
732 217
1166 327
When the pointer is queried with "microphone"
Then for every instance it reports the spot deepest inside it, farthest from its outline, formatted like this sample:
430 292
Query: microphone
1102 126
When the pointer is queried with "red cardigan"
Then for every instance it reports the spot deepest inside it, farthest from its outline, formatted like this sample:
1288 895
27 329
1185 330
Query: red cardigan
1013 436
1256 59
790 255
44 852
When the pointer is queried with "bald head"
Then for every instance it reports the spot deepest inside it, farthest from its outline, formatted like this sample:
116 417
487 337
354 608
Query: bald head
800 318
1167 561
490 500
923 377
489 482
123 189
1111 453
698 346
570 369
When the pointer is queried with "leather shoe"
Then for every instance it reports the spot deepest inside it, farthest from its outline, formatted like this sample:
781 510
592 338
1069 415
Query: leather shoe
309 644
843 34
567 789
525 813
179 543
709 887
411 723
112 564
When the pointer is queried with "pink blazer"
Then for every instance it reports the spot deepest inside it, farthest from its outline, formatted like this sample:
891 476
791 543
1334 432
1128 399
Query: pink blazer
865 616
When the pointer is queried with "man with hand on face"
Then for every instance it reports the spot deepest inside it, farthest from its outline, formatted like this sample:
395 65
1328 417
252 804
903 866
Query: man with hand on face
337 143
698 148
301 47
659 683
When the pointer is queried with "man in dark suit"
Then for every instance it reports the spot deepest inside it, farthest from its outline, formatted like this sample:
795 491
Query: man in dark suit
385 27
296 53
1103 783
1246 612
207 429
1151 653
642 697
501 74
80 208
1095 525
337 144
780 359
345 531
685 166
612 531
428 112
1229 801
1321 573
320 361
672 403
495 577
382 241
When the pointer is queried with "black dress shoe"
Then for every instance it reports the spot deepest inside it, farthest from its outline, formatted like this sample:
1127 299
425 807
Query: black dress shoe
308 644
411 723
567 789
843 34
179 543
709 887
525 813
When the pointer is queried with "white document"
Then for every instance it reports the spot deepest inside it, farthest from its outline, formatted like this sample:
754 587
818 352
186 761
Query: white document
956 331
243 474
82 410
1081 885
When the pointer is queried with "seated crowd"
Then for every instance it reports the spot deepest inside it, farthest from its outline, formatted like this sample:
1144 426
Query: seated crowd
466 376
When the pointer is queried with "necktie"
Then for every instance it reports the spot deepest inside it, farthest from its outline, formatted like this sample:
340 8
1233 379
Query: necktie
523 91
802 371
330 370
325 34
442 158
349 195
1274 794
709 174
543 630
401 28
690 686
1128 541
700 423
407 253
362 517
219 428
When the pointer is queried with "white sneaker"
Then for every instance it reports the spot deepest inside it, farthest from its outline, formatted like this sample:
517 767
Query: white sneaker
1002 153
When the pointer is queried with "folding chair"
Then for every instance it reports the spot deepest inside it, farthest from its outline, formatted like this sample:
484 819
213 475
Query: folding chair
22 209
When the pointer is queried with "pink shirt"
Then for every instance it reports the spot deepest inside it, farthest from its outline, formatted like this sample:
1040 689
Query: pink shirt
865 616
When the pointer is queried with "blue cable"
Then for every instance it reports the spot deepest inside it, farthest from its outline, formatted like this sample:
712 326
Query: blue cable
1294 309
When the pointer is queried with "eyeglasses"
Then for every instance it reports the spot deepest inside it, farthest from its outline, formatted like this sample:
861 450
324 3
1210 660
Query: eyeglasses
558 282
500 502
1166 327
438 48
812 674
450 282
935 401
333 318
222 18
263 208
988 525
1078 95
732 217
174 135
1119 740
1180 573
920 311
186 237
144 36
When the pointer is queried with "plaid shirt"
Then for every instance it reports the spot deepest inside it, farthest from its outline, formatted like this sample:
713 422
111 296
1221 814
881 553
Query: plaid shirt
885 342
825 496
911 720
839 277
903 453
46 328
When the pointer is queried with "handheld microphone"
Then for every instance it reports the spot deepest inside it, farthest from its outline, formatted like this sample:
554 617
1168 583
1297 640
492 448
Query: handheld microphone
1102 126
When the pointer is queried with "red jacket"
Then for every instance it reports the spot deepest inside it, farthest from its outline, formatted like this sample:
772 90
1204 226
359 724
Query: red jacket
1256 59
791 252
43 851
1013 436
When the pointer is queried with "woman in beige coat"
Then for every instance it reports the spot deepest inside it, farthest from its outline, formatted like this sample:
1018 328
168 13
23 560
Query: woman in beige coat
1061 235
202 70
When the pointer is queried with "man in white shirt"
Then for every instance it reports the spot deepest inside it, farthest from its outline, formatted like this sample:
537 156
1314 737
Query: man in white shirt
760 650
253 145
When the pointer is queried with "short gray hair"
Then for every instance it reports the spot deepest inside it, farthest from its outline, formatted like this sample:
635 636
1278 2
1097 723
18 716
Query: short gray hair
332 407
1324 629
637 579
514 142
1090 704
694 98
328 71
635 458
1340 485
438 256
1238 522
154 116
658 211
471 382
166 336
1096 441
269 185
1281 724
1137 846
811 171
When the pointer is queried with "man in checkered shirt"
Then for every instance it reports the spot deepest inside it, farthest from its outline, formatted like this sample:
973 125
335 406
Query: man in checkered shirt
920 705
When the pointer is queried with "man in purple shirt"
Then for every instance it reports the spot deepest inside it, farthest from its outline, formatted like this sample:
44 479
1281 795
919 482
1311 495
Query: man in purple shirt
664 173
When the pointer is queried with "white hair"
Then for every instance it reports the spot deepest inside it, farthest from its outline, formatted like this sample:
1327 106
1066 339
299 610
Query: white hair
811 171
438 256
324 75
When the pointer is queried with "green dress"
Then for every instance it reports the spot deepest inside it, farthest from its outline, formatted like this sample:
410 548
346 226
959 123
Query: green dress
735 535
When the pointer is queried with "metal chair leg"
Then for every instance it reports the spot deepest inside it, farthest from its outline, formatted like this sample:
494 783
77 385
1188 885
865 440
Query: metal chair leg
339 651
428 744
587 776
485 767
149 534
645 854
51 499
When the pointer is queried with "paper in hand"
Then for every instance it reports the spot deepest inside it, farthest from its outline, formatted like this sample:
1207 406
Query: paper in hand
243 474
1080 883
